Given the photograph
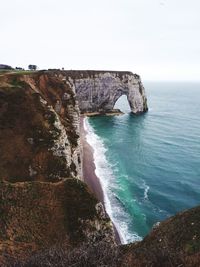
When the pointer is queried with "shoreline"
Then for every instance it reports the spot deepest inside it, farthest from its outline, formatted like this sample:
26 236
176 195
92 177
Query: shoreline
89 175
113 112
88 165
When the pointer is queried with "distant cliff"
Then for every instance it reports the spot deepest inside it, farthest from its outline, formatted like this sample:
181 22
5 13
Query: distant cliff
48 215
98 91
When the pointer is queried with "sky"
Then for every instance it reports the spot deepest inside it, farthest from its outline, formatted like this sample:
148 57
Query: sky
158 39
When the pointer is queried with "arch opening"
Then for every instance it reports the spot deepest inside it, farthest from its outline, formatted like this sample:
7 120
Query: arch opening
122 104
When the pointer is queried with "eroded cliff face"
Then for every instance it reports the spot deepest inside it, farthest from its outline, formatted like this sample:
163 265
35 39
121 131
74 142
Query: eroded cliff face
43 201
48 216
98 91
39 129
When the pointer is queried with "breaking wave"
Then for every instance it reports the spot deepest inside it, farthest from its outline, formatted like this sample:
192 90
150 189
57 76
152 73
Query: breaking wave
107 179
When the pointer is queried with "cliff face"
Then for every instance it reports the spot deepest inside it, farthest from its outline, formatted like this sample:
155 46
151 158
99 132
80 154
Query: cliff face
39 118
39 129
98 91
45 208
43 201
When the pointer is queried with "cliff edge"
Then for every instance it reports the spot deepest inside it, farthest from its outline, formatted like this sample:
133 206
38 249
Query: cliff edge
43 200
48 215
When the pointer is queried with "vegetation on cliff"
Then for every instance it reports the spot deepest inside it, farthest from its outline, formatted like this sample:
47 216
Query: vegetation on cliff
173 243
43 202
48 216
29 131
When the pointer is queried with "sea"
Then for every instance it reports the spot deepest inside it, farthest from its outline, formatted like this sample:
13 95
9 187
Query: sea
149 164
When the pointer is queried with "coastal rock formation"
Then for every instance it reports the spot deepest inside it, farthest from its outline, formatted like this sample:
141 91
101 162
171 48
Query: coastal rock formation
98 91
39 129
43 201
48 215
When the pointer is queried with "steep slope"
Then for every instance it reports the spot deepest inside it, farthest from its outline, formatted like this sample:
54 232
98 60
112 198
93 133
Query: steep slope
39 134
43 201
173 243
38 215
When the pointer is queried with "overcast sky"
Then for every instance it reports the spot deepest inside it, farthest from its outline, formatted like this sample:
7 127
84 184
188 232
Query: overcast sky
158 39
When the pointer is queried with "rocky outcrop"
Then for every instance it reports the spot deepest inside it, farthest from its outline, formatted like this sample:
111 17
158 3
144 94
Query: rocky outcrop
98 91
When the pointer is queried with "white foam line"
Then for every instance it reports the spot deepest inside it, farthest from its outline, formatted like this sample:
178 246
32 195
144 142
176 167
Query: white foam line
105 174
146 190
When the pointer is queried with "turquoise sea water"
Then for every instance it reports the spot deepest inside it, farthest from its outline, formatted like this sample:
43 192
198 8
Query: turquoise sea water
149 165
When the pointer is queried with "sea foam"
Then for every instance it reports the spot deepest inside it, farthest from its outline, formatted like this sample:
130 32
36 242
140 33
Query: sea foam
146 190
107 179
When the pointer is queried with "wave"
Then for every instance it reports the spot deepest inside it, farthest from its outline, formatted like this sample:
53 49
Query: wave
146 190
107 179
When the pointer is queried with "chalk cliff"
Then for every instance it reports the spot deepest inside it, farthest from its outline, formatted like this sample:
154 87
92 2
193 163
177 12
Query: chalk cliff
98 91
39 123
48 215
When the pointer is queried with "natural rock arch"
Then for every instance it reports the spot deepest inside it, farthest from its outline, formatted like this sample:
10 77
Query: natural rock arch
98 91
